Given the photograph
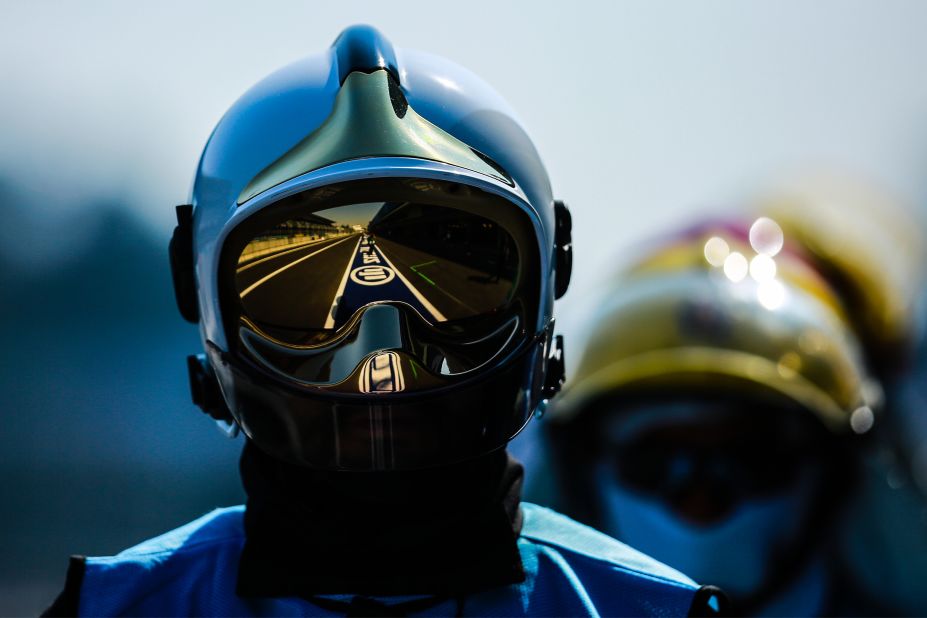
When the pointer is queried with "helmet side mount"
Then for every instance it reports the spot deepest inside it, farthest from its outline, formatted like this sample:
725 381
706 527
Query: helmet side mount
563 248
204 389
556 369
182 269
204 386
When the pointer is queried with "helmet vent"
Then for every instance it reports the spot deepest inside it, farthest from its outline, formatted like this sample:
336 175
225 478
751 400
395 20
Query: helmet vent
397 98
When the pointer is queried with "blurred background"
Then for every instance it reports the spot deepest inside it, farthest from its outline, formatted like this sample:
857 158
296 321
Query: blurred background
644 112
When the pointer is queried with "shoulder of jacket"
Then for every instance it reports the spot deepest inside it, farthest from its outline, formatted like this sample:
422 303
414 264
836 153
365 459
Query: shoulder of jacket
545 527
217 527
172 574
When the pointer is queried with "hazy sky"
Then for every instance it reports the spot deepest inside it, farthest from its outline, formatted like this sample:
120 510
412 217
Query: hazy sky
642 111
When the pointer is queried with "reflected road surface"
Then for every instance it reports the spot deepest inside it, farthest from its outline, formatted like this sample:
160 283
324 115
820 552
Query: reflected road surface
321 284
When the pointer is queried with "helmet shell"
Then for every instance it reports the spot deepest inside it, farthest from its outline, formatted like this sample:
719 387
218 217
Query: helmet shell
263 151
684 316
871 248
280 111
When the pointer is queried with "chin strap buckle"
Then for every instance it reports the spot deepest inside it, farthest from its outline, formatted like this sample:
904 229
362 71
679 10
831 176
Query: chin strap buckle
556 369
205 392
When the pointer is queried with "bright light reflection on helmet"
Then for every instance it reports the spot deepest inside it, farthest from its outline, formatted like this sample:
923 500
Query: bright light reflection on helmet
771 294
762 268
716 250
735 266
766 236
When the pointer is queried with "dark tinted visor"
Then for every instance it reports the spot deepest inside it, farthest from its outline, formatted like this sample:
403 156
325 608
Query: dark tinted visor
314 271
731 448
443 272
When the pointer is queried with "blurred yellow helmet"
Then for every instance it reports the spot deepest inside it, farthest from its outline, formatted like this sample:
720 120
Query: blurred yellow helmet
731 308
870 247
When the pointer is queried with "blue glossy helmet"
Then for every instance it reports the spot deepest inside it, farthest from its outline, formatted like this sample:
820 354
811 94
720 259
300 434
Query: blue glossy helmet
372 253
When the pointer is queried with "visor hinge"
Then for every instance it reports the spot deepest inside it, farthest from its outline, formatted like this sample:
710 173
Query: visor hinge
556 369
204 388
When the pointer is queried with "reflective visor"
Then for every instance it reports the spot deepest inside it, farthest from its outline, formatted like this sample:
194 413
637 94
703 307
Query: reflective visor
429 269
313 272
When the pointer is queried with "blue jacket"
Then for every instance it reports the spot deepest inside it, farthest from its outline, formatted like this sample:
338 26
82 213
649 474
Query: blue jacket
571 569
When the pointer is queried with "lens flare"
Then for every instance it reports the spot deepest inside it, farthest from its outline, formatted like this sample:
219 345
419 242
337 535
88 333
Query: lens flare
766 236
771 294
716 250
762 268
735 267
862 419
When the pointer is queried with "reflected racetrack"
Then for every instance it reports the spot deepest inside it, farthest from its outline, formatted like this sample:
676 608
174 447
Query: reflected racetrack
294 286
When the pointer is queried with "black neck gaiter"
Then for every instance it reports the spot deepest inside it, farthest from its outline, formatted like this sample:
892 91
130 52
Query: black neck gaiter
443 531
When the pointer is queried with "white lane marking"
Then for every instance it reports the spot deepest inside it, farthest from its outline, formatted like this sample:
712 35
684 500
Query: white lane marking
330 320
290 265
431 308
279 253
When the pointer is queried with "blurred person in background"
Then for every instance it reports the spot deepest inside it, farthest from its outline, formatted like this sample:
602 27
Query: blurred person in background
372 253
870 245
717 418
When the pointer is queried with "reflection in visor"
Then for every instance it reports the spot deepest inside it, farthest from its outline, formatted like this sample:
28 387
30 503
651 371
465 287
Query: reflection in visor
382 374
315 271
383 288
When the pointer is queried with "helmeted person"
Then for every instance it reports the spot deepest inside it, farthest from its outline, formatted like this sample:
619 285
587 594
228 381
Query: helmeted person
873 249
714 417
372 253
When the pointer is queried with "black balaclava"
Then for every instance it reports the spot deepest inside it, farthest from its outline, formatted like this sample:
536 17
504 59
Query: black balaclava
441 531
